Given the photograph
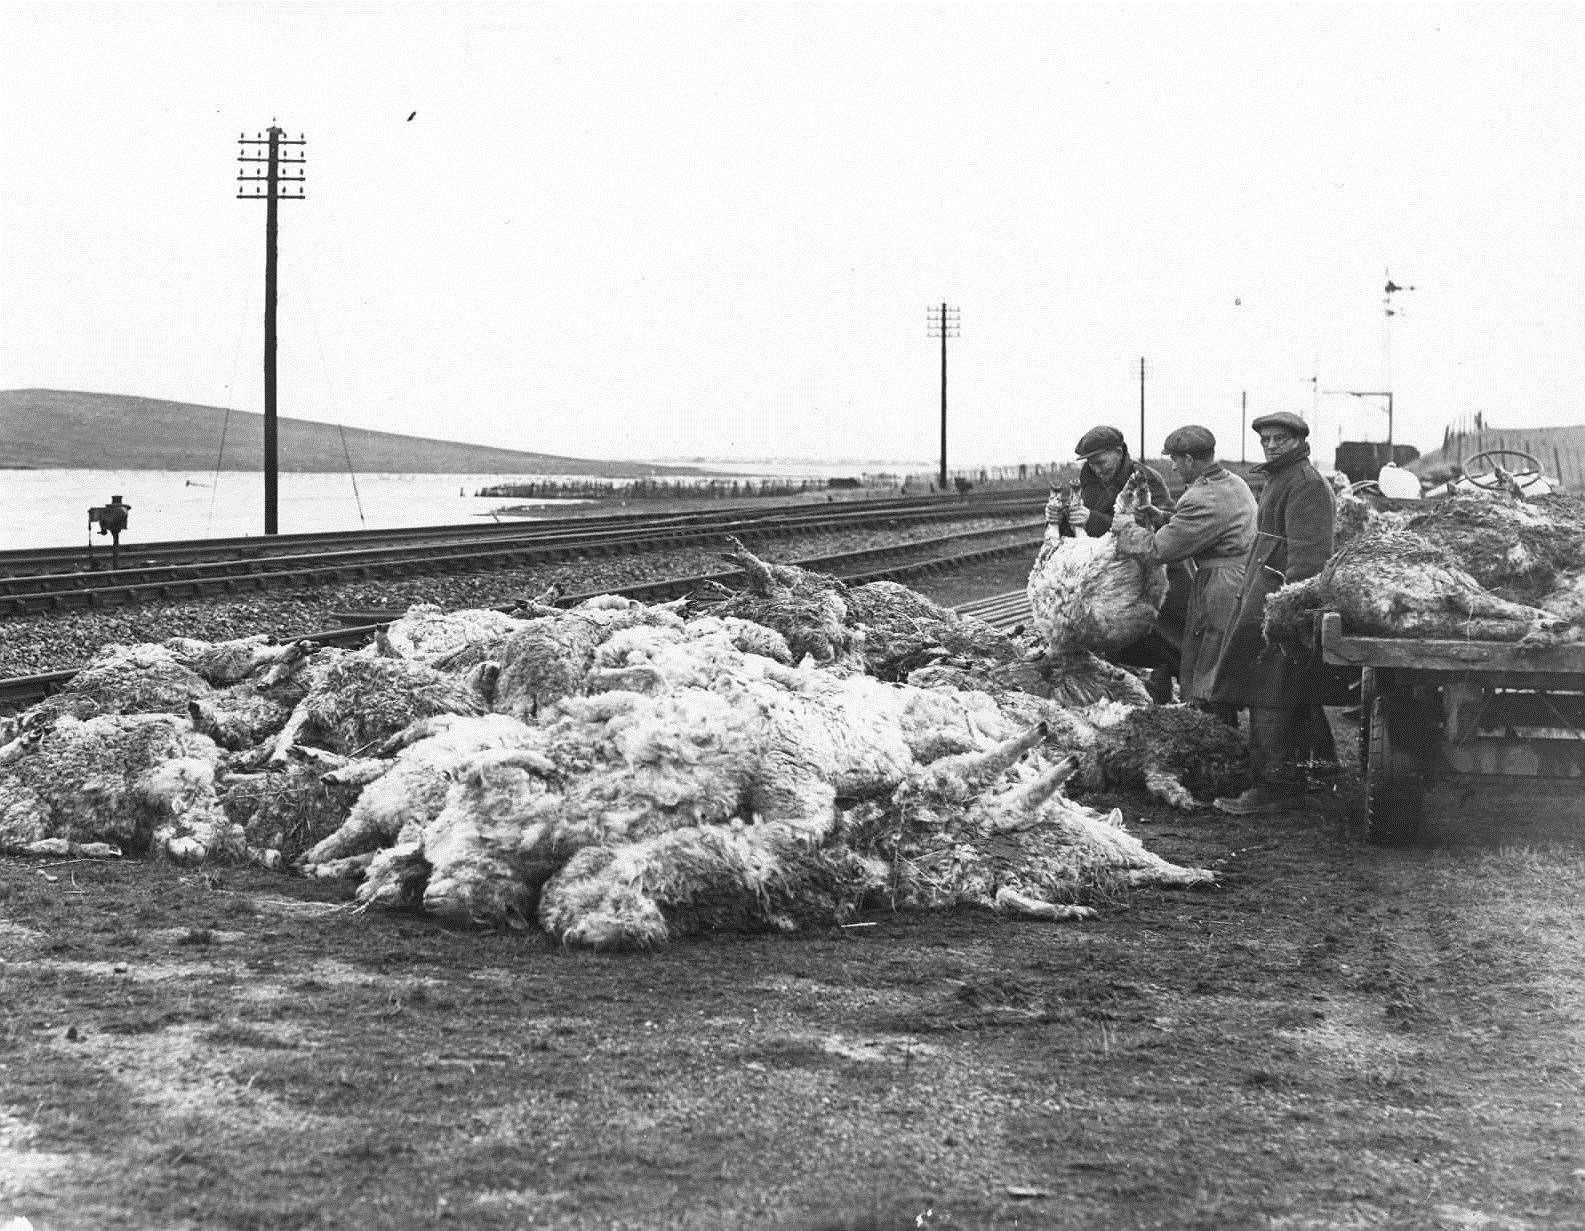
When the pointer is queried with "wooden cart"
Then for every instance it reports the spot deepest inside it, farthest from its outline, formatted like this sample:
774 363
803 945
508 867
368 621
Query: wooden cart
1480 711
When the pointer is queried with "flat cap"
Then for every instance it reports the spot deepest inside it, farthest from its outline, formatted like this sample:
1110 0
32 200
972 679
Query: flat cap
1098 438
1192 439
1283 420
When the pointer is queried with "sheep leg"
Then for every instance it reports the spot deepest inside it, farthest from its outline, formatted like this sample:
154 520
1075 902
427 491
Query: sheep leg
1484 603
1020 806
282 747
1166 787
978 767
1030 907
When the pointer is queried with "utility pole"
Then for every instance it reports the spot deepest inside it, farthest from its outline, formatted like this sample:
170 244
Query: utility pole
943 322
1388 310
1373 393
1243 426
270 185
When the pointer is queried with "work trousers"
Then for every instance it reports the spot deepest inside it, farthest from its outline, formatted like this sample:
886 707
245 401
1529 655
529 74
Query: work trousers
1283 740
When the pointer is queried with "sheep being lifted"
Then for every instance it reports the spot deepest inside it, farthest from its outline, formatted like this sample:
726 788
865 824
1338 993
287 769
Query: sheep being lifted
1086 600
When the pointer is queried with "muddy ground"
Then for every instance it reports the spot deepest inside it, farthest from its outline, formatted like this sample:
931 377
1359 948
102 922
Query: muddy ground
1336 1036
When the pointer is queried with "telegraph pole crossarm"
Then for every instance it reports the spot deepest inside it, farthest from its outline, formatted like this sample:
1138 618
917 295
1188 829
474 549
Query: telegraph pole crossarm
282 170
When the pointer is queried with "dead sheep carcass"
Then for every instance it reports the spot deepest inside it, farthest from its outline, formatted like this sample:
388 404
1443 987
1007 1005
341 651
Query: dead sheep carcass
156 678
739 876
1023 847
943 838
549 657
905 631
891 632
129 783
1398 583
452 640
1178 754
1086 600
353 700
1520 550
405 784
1484 567
808 609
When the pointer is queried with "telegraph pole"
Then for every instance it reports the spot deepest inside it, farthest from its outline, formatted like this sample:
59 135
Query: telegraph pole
943 322
271 184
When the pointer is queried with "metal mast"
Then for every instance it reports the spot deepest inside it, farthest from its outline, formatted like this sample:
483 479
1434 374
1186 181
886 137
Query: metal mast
271 184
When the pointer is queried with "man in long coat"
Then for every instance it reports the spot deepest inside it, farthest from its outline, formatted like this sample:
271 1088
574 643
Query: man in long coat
1211 529
1293 539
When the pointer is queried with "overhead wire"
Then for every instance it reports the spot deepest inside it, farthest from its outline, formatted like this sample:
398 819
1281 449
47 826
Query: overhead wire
335 403
225 425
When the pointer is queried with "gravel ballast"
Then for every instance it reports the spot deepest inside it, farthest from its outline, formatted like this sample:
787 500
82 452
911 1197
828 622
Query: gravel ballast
35 644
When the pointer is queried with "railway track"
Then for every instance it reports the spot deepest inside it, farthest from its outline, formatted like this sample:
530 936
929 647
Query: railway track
896 563
68 559
234 567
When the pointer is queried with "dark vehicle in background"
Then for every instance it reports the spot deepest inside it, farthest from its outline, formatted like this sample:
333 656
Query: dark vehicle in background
1363 459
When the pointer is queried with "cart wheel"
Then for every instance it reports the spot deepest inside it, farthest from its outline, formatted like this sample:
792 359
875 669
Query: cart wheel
1394 778
1367 701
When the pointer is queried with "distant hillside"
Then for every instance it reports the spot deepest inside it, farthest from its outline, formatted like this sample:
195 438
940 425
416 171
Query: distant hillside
46 429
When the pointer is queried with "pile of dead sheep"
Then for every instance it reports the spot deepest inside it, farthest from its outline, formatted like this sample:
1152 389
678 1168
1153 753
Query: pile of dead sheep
1485 566
780 755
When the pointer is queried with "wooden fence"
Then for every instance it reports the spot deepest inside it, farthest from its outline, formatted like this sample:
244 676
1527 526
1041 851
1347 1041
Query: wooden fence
1560 451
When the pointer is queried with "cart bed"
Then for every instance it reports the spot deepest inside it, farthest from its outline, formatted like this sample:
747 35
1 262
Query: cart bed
1439 710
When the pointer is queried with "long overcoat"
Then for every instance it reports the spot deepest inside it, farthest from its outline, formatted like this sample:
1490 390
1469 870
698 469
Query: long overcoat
1293 539
1211 529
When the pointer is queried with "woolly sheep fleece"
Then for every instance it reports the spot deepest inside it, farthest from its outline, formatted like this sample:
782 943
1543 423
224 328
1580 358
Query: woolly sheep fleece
623 774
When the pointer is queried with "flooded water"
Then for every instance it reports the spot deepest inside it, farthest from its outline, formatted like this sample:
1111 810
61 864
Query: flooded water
49 508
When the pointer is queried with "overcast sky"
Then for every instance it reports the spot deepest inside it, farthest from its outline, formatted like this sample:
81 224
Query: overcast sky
646 230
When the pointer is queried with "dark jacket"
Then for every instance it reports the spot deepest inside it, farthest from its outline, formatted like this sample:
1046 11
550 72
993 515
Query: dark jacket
1212 526
1293 540
1101 494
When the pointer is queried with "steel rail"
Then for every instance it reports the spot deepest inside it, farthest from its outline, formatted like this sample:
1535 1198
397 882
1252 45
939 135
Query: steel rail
56 592
19 692
67 559
949 550
1004 611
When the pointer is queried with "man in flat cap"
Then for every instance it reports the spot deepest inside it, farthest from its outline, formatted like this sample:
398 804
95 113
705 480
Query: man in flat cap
1213 525
1106 470
1293 539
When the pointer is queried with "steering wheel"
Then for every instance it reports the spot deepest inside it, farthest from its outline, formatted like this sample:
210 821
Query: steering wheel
1481 468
